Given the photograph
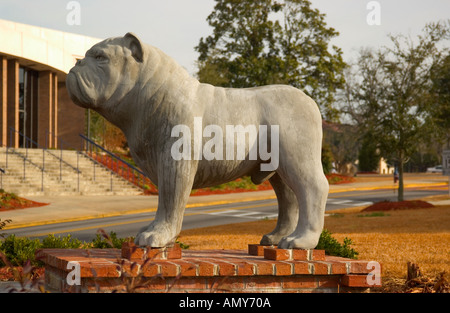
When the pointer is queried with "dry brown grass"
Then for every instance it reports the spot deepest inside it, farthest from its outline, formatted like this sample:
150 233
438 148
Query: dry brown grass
421 236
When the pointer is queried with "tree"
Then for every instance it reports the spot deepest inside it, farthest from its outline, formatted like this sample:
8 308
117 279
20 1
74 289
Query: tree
261 42
392 100
104 133
343 143
440 92
369 158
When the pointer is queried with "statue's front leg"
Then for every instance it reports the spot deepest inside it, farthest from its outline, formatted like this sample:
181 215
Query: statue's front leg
175 179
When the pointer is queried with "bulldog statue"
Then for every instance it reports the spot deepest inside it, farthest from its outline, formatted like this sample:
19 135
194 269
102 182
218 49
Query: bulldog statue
153 100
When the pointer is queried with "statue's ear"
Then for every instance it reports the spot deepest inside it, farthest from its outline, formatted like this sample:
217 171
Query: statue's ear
135 45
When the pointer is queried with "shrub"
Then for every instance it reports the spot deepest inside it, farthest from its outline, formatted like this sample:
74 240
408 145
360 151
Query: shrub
105 241
19 250
333 247
3 224
56 242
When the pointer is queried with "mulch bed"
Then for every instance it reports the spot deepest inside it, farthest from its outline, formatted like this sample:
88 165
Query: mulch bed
333 179
17 272
19 203
399 205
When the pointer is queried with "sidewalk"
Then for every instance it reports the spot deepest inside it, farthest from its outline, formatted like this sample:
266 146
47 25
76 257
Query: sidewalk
72 208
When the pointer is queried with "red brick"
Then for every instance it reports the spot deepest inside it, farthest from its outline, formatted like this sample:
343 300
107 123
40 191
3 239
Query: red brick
99 270
168 269
356 281
226 284
277 254
264 268
245 269
150 269
300 254
338 267
206 268
225 268
299 282
154 254
359 267
257 250
301 268
258 282
130 268
131 251
187 268
329 281
186 283
318 255
320 268
157 284
174 252
283 268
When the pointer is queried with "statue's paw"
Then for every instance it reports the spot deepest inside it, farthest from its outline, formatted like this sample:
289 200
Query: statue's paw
270 239
152 237
298 242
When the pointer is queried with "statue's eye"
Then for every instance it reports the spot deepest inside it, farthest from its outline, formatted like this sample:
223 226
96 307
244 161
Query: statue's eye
99 57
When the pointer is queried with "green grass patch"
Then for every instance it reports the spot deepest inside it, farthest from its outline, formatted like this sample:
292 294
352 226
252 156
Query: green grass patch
373 214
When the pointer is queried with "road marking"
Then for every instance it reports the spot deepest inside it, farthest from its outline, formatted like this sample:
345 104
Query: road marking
152 218
351 203
233 212
93 227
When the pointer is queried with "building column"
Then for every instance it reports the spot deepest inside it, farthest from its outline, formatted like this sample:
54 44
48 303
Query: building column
54 116
3 101
12 103
47 109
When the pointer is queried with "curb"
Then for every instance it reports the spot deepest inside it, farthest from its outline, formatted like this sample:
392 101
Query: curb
390 187
210 203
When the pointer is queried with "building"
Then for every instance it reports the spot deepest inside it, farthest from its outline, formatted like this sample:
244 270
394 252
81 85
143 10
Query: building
384 167
35 108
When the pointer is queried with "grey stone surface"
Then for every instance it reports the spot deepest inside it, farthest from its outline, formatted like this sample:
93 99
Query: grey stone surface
147 94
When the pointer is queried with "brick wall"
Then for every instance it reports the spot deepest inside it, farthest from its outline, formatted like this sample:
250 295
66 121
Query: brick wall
104 270
71 119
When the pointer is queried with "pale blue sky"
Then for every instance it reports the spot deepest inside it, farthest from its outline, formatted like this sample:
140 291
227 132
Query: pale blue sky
175 26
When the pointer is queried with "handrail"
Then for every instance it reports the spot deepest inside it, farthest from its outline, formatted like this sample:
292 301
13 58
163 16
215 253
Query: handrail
113 155
2 171
27 140
130 173
48 133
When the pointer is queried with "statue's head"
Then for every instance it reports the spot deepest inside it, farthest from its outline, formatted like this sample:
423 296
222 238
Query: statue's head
109 70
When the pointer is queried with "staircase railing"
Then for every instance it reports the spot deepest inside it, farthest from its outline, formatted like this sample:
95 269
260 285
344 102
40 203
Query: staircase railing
2 171
29 143
61 144
116 164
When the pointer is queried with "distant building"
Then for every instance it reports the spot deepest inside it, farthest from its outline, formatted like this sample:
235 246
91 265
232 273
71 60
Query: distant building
34 102
384 168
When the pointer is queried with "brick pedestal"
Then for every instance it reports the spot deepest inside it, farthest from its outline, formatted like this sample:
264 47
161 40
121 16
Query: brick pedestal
234 271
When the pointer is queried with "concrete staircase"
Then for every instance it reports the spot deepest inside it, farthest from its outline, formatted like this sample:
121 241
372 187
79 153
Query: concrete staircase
58 172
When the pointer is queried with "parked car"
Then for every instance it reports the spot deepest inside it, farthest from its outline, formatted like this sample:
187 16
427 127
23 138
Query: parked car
435 169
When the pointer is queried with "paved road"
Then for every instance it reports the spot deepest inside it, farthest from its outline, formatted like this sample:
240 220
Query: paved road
211 215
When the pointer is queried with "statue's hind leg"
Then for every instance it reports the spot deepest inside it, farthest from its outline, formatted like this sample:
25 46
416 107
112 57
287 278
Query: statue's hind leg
310 186
287 212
